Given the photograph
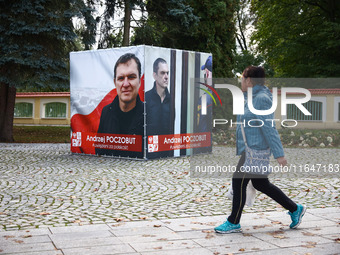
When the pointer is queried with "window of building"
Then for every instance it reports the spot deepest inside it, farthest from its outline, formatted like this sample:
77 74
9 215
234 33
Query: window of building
338 111
23 110
55 110
314 107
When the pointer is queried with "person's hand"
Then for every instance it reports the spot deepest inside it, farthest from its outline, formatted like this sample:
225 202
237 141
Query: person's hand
282 161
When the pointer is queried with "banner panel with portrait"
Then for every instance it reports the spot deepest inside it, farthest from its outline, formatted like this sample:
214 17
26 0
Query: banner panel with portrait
140 102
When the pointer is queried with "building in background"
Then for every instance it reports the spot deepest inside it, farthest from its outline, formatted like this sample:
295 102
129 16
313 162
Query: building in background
42 108
324 106
53 108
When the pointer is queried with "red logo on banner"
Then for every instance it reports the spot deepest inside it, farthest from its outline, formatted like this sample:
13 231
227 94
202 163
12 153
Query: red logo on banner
89 141
153 143
178 141
76 139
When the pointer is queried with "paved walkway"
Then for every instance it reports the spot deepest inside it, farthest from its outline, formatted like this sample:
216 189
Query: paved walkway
263 233
53 202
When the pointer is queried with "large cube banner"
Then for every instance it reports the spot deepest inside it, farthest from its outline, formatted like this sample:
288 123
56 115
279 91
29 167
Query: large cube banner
141 102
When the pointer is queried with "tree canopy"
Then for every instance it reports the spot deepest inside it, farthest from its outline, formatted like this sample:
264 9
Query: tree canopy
201 25
110 33
299 38
36 37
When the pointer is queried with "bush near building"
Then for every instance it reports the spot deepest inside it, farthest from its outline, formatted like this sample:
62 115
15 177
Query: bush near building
290 138
41 134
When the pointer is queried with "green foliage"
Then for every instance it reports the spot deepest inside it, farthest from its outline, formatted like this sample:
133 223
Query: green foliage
88 33
41 134
299 38
243 19
310 138
300 138
36 36
205 26
111 36
216 33
166 20
246 58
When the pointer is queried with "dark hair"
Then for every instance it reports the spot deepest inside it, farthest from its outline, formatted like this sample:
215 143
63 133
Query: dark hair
256 73
155 64
126 58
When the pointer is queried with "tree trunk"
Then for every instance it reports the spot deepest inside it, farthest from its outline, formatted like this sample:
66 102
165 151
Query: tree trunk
7 102
127 20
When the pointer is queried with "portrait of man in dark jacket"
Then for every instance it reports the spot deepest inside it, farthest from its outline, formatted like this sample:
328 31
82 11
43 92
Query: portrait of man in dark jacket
125 114
158 106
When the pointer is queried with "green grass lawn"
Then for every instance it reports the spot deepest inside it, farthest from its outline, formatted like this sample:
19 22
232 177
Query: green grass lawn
41 134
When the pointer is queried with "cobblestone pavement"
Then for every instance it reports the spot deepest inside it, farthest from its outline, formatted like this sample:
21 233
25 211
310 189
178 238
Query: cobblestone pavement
44 185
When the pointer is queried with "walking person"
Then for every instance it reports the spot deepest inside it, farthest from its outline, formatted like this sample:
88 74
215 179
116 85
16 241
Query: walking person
257 138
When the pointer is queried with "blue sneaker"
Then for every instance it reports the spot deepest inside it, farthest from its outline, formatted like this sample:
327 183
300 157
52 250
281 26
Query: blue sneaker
297 216
227 228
